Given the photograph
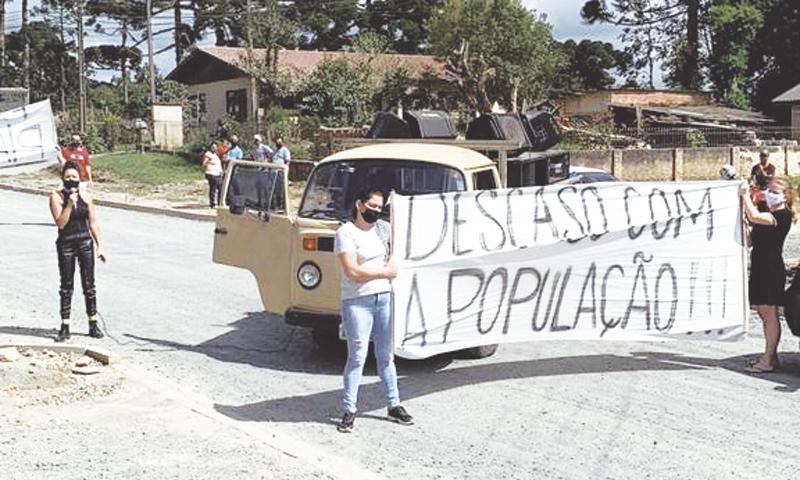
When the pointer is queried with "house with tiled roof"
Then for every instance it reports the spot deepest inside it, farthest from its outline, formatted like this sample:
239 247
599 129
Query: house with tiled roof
219 83
791 98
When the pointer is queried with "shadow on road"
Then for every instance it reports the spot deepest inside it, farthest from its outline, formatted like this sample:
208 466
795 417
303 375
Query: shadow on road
316 406
49 333
28 224
263 340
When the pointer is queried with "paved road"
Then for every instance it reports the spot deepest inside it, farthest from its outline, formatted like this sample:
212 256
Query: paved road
579 410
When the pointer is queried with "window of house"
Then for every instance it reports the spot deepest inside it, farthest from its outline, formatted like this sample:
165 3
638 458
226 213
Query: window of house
236 104
484 180
197 106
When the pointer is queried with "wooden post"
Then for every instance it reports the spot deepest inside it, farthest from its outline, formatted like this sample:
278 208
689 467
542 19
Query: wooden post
2 33
81 79
152 67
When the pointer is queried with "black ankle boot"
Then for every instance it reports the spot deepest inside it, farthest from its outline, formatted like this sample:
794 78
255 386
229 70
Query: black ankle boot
63 334
94 330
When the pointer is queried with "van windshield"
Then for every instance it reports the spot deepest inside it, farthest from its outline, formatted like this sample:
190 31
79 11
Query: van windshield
331 190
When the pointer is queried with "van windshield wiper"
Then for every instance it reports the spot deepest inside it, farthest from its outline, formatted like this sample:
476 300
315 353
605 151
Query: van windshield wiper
320 213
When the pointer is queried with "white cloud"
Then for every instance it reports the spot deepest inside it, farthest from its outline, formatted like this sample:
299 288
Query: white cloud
565 17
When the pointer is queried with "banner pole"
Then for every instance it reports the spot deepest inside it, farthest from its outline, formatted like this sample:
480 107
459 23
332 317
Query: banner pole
745 292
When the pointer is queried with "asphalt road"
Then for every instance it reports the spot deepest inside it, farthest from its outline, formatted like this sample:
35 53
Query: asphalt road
576 410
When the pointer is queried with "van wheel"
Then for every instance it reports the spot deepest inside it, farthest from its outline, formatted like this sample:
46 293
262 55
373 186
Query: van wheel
484 351
327 339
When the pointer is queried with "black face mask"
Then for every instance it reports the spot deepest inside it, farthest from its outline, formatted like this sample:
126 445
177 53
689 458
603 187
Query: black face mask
370 216
71 184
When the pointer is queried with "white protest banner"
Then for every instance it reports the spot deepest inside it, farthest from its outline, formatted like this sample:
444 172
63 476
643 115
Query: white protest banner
28 135
616 261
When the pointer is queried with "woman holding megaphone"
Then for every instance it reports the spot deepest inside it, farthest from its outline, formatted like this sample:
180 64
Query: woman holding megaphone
74 215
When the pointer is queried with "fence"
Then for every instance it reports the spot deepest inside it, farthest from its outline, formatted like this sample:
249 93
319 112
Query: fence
658 137
661 164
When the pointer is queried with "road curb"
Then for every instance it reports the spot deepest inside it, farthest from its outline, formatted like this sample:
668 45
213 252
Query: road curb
121 205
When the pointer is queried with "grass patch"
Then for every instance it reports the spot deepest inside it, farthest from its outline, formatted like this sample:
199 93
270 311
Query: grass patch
145 169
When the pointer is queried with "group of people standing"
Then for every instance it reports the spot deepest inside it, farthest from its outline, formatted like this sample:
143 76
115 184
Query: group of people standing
367 270
219 153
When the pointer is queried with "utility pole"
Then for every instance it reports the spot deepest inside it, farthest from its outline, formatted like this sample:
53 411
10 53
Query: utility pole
2 33
150 54
26 56
81 80
62 88
253 69
178 33
123 63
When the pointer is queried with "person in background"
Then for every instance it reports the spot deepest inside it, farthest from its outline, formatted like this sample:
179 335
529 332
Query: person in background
763 171
235 152
223 145
261 151
282 155
78 234
767 269
212 167
78 154
222 130
366 305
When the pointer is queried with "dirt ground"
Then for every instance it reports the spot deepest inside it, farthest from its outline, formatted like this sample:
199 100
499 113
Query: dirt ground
45 378
118 424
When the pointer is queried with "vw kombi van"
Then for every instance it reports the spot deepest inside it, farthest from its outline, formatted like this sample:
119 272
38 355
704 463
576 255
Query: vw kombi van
291 253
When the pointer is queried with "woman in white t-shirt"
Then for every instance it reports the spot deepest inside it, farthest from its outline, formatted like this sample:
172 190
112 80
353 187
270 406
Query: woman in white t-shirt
212 167
366 305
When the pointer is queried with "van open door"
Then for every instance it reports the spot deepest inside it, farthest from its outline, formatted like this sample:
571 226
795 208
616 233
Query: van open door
255 230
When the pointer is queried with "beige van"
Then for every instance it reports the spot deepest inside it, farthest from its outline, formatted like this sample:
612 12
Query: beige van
291 253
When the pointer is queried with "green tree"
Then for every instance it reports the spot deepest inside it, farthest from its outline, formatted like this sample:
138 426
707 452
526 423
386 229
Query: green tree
775 55
325 25
733 29
495 50
47 53
667 29
405 24
338 93
589 62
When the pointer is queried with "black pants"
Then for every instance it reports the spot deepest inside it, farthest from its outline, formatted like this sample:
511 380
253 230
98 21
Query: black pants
68 251
214 182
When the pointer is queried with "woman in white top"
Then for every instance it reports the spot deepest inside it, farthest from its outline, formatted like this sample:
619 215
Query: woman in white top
212 167
366 305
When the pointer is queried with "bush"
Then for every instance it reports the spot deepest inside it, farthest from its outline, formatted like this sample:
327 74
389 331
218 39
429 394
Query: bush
112 130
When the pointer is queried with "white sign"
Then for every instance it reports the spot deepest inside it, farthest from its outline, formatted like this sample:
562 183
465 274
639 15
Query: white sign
28 135
611 261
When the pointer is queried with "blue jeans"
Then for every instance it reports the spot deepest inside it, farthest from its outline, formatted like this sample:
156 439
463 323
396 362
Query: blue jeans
363 319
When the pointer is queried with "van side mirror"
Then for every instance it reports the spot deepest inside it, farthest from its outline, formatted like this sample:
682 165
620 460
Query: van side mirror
236 205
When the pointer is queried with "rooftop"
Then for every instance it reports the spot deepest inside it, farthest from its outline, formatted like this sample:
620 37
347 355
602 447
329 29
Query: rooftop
790 96
208 64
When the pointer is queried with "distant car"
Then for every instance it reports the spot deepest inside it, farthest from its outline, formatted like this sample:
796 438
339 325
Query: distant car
589 175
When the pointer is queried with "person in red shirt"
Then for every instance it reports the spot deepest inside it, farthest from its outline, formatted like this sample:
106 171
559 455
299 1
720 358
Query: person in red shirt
78 154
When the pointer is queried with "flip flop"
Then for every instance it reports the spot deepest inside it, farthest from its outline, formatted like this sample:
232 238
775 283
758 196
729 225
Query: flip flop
775 365
758 370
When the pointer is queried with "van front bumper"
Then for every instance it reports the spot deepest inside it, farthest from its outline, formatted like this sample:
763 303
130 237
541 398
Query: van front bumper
309 319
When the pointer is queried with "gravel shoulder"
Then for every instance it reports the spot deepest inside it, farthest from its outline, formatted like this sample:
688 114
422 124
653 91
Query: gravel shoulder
120 425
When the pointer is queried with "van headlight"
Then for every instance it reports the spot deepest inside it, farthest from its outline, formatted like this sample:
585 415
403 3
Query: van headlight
309 275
